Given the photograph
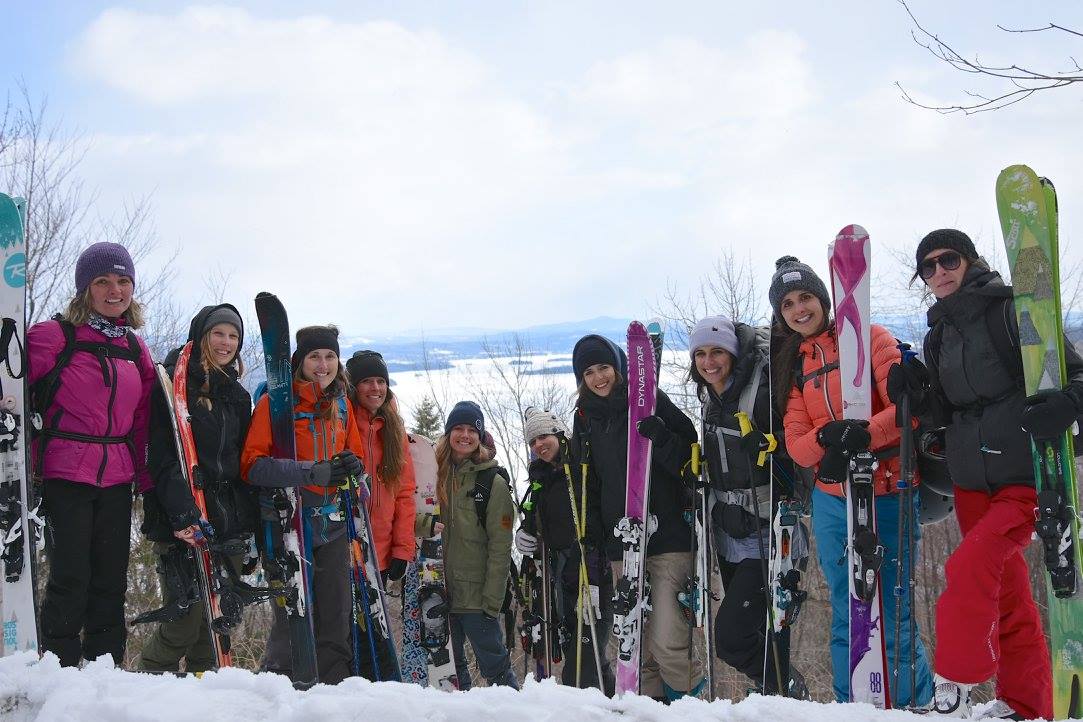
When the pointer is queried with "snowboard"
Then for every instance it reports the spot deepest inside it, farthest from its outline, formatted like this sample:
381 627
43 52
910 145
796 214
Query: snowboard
850 260
427 657
21 524
287 563
630 601
1027 206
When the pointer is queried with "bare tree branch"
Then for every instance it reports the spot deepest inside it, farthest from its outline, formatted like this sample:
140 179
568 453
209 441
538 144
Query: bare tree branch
1024 80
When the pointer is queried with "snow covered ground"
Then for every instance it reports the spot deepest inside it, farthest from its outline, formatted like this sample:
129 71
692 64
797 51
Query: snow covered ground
41 690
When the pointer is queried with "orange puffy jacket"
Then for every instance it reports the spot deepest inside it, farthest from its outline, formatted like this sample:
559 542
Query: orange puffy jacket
331 437
820 401
392 516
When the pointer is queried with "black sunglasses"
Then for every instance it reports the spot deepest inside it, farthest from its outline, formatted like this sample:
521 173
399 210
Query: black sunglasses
948 260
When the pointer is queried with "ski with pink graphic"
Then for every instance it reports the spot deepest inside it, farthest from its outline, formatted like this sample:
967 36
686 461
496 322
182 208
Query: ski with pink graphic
630 592
850 261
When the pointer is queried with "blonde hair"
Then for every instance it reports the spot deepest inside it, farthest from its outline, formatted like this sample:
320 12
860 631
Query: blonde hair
444 466
80 309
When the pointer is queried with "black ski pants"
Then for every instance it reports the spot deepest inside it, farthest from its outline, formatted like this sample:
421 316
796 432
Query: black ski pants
330 581
87 544
566 569
740 627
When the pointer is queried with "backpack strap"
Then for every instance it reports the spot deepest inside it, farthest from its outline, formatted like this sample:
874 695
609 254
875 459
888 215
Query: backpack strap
800 379
999 319
483 489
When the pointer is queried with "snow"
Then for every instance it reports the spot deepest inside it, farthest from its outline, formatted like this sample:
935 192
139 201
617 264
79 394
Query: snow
42 690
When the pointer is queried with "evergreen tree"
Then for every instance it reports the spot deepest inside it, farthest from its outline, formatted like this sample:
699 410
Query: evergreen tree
427 419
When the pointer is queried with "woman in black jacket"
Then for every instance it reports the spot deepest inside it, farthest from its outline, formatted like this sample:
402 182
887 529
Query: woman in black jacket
551 517
220 410
987 623
731 370
600 440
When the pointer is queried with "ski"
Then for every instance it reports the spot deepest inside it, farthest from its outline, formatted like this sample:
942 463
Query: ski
1027 206
698 596
850 262
657 335
21 523
287 563
786 593
370 602
630 601
427 657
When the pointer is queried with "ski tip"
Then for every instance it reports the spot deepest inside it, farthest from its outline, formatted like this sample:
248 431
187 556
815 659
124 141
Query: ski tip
654 326
852 232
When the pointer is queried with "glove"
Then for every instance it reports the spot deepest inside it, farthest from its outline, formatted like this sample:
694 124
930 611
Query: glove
395 571
1048 414
754 442
336 470
911 380
848 436
834 466
653 428
525 542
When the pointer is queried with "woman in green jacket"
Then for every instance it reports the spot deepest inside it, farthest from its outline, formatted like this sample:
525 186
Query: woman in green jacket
477 551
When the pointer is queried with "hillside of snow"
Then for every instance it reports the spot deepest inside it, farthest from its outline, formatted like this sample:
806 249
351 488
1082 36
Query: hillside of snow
41 690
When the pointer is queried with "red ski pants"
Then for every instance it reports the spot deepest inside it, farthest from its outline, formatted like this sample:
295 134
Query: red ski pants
986 620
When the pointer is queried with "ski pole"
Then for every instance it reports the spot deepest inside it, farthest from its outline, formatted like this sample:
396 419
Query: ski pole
904 486
745 425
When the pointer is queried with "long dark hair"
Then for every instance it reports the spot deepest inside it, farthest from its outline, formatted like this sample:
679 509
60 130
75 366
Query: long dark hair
785 355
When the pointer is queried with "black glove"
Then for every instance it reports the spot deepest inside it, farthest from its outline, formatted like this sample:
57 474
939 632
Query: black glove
396 571
910 379
653 428
754 442
1048 414
848 436
336 470
834 466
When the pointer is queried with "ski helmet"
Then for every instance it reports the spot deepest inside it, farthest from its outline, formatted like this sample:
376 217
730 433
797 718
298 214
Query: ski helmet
932 462
934 506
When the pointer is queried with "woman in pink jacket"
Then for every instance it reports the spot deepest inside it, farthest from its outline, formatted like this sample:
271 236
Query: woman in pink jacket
90 378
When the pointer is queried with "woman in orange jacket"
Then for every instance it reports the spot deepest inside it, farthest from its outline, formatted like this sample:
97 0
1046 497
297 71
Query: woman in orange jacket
807 387
392 510
328 447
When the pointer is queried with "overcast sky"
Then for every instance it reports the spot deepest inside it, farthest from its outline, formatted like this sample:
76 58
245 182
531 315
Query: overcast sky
396 165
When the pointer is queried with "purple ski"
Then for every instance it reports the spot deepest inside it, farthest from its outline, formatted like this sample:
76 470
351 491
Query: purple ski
629 599
850 260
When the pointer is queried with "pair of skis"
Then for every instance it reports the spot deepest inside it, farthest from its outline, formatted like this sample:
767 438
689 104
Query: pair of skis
1027 206
21 523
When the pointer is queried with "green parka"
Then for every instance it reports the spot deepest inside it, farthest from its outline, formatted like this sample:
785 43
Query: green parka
477 556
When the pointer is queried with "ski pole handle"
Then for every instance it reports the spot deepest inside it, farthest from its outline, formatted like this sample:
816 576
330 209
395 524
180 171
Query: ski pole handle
696 458
745 424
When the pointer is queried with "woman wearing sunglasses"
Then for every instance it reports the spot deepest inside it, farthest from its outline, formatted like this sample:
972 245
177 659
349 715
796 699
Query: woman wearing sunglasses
987 623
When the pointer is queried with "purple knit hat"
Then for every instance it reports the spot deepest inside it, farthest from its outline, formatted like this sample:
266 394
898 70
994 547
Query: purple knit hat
101 259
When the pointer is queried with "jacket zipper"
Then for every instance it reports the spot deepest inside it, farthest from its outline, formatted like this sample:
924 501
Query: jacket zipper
109 421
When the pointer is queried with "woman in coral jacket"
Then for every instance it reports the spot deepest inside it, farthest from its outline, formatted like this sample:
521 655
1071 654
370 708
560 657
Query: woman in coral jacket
805 361
392 510
328 446
91 452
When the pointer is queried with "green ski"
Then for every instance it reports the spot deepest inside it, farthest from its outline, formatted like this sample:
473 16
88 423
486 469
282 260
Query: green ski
1028 217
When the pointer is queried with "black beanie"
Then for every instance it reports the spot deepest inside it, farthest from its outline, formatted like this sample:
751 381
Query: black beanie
594 349
792 275
945 238
224 314
311 338
466 412
366 364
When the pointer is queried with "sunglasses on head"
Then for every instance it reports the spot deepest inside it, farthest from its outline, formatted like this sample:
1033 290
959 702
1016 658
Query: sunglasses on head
948 260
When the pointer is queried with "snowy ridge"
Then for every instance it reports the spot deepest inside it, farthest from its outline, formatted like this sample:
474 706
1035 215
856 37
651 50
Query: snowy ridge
42 690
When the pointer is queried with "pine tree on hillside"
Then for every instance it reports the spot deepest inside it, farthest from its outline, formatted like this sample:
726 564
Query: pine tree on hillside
427 419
